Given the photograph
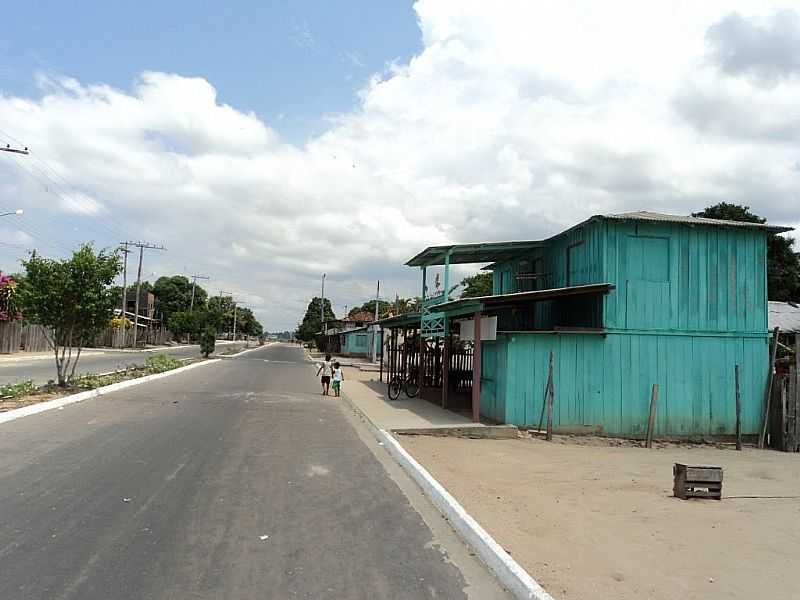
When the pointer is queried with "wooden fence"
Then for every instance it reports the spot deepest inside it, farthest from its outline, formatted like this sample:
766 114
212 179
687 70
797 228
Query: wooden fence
18 337
784 425
10 336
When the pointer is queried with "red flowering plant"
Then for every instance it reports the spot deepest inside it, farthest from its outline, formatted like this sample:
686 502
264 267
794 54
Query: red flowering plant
9 310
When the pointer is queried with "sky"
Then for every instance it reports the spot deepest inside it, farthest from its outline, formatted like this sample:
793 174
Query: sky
266 143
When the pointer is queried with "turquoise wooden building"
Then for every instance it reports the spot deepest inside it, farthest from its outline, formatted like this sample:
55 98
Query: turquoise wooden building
624 302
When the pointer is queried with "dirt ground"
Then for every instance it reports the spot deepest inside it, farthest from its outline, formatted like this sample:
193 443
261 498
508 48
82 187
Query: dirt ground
593 521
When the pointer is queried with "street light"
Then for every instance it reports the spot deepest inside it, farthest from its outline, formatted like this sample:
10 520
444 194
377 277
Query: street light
19 211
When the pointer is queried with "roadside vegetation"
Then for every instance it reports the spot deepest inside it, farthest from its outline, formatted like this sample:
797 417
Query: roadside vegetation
74 301
25 392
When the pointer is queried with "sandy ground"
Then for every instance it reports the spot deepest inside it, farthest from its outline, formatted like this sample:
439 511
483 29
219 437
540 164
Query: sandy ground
590 521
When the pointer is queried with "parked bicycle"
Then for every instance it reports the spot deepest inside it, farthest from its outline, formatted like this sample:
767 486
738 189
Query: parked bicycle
404 383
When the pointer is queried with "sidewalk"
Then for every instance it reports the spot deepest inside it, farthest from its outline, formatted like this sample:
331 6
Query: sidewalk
368 394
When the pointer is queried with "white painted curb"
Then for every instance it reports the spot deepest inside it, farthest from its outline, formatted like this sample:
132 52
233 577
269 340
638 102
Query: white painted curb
510 574
33 409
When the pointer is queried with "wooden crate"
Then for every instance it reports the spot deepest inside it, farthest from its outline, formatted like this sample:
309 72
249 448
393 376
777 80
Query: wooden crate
697 481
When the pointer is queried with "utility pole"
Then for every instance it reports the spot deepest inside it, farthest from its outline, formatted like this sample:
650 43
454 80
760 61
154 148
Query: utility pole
141 246
124 249
322 306
375 324
194 284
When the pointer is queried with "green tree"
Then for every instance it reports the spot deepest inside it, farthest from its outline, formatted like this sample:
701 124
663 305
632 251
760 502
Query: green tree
208 340
222 309
384 308
311 321
477 285
783 265
190 322
174 294
72 298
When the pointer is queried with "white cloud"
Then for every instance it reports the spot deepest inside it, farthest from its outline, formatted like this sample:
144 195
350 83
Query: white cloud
515 120
80 204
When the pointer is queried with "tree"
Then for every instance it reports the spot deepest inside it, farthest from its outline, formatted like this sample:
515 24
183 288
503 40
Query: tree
72 299
208 340
311 321
222 309
174 294
192 322
384 308
783 265
477 285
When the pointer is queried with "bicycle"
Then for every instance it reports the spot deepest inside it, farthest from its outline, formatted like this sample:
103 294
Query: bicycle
408 384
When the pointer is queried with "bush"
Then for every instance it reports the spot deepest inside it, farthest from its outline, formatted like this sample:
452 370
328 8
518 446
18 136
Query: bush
15 390
158 363
208 340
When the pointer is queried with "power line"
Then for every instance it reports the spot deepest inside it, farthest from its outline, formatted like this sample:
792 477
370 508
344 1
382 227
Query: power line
60 188
50 186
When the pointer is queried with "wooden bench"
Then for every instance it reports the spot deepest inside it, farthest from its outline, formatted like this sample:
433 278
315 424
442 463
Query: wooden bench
697 481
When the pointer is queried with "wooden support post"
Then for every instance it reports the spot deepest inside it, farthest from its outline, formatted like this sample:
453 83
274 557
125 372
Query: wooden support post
738 411
550 399
476 371
768 393
544 401
651 421
383 351
445 370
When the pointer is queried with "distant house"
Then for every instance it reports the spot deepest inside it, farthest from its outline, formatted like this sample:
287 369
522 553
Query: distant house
147 303
622 301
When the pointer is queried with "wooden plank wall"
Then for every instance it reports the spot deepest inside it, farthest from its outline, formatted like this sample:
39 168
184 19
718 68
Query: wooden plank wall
605 383
709 279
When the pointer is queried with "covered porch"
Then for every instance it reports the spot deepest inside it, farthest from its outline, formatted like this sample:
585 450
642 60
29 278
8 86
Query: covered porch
442 344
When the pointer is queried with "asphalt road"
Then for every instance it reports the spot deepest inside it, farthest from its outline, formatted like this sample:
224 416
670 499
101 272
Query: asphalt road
16 368
165 491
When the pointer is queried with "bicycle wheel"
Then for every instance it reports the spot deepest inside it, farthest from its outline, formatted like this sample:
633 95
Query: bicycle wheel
412 386
395 385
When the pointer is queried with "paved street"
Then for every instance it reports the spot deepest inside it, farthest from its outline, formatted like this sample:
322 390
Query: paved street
16 367
165 490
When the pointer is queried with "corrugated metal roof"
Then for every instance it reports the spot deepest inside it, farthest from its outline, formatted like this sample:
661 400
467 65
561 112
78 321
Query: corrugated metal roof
494 252
784 315
644 215
472 253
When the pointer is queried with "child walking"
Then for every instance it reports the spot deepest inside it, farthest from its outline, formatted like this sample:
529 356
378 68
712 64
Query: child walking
325 368
338 378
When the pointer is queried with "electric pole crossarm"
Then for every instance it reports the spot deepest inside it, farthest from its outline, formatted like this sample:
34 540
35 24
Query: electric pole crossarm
194 284
8 148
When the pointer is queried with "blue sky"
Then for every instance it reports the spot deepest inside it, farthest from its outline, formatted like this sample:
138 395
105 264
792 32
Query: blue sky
291 62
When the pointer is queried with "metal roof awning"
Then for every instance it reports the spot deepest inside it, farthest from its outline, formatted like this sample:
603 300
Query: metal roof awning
472 253
785 315
482 302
